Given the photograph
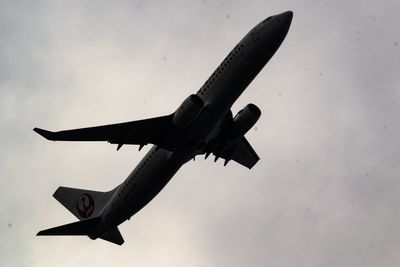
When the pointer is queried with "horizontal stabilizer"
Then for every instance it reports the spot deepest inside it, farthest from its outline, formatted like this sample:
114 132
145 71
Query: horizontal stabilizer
85 227
113 236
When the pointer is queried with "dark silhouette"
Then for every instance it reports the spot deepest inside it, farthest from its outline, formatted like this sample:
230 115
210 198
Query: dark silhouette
202 124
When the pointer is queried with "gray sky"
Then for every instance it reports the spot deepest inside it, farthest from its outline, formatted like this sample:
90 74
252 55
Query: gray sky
326 191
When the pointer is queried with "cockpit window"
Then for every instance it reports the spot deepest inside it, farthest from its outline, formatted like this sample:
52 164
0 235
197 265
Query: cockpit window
265 20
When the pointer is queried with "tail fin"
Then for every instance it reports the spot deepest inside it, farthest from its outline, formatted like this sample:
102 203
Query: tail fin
87 206
84 204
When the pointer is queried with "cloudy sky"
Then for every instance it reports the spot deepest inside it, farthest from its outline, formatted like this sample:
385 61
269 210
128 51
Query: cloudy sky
326 191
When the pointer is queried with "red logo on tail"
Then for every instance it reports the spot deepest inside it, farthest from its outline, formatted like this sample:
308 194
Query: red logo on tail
85 205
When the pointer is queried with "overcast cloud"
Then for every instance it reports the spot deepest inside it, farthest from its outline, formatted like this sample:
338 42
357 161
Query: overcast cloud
326 191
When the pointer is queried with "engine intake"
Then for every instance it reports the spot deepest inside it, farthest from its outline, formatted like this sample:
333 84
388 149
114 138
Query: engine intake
188 111
245 119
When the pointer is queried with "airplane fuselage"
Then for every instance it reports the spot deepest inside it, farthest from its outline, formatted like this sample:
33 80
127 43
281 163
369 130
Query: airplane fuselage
218 93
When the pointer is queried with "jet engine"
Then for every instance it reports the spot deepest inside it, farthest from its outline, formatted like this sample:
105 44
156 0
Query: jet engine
188 111
245 119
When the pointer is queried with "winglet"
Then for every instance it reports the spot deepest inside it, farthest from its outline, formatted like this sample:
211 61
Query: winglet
46 134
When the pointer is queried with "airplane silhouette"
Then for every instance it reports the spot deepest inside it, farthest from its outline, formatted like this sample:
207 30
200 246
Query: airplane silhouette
202 124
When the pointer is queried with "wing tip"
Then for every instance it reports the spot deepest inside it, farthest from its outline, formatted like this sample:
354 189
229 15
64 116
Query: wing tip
41 233
252 165
46 134
45 232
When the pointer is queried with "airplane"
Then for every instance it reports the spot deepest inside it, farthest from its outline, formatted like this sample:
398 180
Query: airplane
202 124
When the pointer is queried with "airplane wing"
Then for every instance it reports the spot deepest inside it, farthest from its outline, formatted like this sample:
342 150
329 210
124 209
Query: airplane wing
159 131
241 152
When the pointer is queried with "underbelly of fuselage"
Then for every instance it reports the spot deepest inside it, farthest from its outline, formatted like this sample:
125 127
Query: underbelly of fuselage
148 178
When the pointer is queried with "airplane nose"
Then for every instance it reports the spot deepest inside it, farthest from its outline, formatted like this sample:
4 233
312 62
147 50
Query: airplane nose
285 17
273 29
283 23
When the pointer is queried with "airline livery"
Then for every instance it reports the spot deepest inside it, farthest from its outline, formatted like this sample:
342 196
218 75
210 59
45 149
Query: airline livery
202 124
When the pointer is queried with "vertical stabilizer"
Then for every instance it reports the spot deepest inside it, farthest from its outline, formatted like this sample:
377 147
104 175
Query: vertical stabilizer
84 204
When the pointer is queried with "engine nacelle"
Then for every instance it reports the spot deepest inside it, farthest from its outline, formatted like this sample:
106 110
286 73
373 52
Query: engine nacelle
245 119
188 111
